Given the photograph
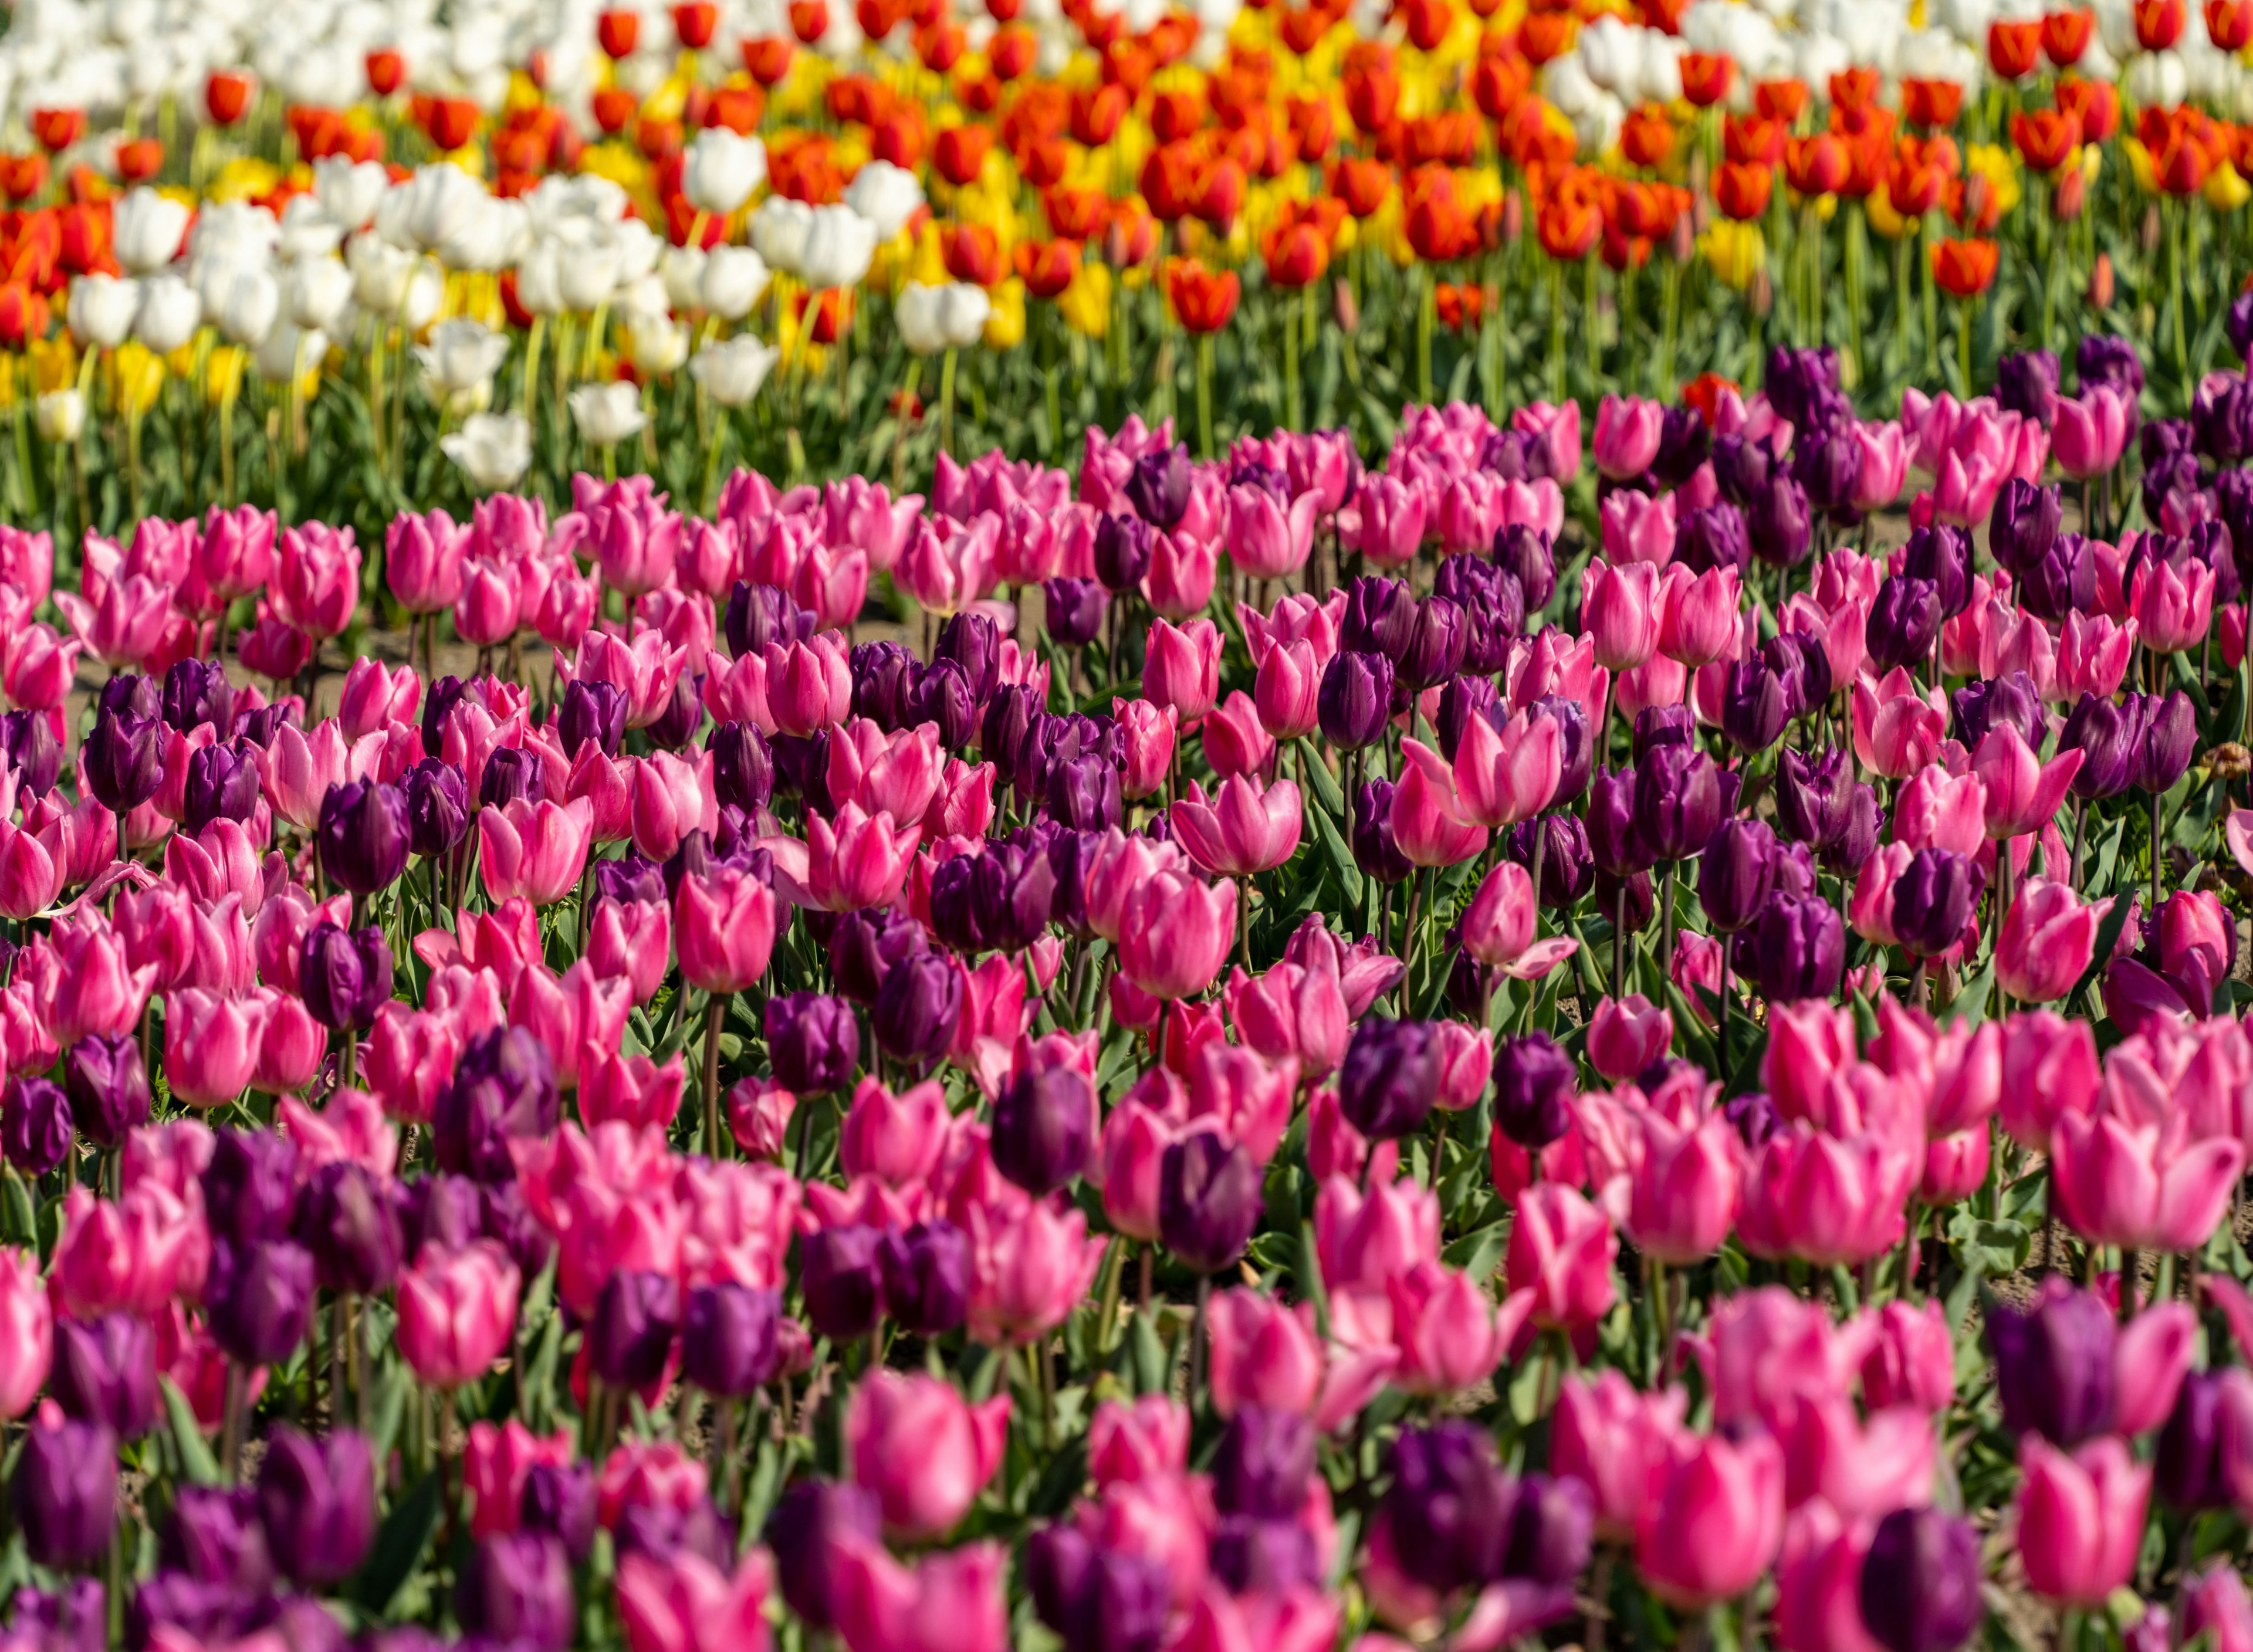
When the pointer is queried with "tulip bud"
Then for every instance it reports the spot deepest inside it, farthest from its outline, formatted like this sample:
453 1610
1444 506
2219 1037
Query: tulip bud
592 710
1374 851
927 1276
511 774
1044 1128
28 738
885 676
760 615
250 1185
1941 552
864 946
560 1498
515 1590
916 1008
1567 867
504 1088
1534 1083
1737 874
1266 1459
842 1278
2169 738
2008 701
214 1537
1390 1079
1921 1582
1159 487
813 1042
815 1520
1801 948
1904 622
222 785
2054 1365
743 767
439 1210
64 1493
345 975
1552 1529
2109 738
728 1344
1123 548
317 1501
105 1372
1209 1201
636 1318
1677 801
35 1124
1451 1506
1074 608
2100 285
2189 1469
1933 899
260 1297
124 759
107 1087
349 1221
437 807
364 833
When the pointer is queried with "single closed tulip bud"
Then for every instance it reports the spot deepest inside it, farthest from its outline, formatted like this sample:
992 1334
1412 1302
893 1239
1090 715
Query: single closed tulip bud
64 1493
345 975
515 1590
1567 870
1451 1506
1044 1128
1266 1459
813 1042
1941 552
364 834
504 1088
1755 705
1158 488
1390 1079
815 1523
1814 796
1904 622
437 807
634 878
743 767
125 760
760 615
317 1501
1123 548
195 691
682 716
511 774
1677 801
916 1009
884 679
2106 735
1355 701
592 710
35 1124
107 1087
1845 858
561 1499
636 1316
1552 1530
349 1220
1920 1587
1435 644
927 1276
1737 874
1933 899
2054 1365
129 694
28 738
222 785
1527 556
1780 522
1075 608
1209 1201
971 641
1371 833
1464 698
250 1184
2169 738
260 1298
843 1280
1800 946
1534 1083
2188 1469
105 1372
2008 701
865 945
1493 605
2024 524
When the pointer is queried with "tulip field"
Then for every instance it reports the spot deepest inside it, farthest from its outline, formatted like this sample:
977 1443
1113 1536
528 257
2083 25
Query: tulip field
1316 826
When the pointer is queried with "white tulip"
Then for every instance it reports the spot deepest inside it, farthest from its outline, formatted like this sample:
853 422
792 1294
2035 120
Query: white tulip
290 351
348 193
2156 79
308 231
886 195
494 448
463 355
146 230
381 272
681 271
250 303
638 249
169 314
952 316
732 372
656 344
589 276
838 248
607 413
425 295
779 230
442 201
720 169
318 289
100 310
61 415
487 238
734 279
540 280
640 300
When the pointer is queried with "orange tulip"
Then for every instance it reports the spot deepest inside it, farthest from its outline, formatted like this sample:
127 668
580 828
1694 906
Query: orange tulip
1741 190
1755 140
736 107
1931 103
1314 128
22 175
972 253
1429 21
1372 87
832 317
2014 49
24 314
1047 268
1567 228
1703 396
1096 112
84 242
1011 51
1965 269
2182 165
1706 77
1301 28
1296 255
1784 100
938 46
1201 300
619 31
451 122
1220 194
809 20
1170 177
1498 80
2044 137
2095 104
139 159
614 106
960 154
1074 213
694 23
1854 89
1815 165
1362 185
1647 137
2065 36
57 130
2158 23
1459 308
387 71
2229 23
1132 234
1548 35
1439 228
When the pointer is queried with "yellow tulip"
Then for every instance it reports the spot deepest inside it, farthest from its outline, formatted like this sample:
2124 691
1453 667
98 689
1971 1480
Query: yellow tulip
1995 164
223 374
1734 250
1085 305
53 363
243 178
2225 191
139 374
1004 327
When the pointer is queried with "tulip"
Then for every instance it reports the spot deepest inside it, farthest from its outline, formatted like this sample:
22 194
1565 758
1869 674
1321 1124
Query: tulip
927 1276
727 1343
1620 611
2047 941
1717 1523
1450 1507
1920 1584
811 1527
534 850
1175 933
880 1605
64 1493
29 1339
1028 1269
1208 1200
2081 1518
1181 672
1616 1441
317 1502
725 922
456 1311
922 1450
1245 828
2022 794
1626 436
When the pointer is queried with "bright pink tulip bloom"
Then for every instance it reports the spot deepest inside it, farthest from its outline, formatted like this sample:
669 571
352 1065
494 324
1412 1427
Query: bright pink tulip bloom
2023 792
1824 1199
1028 1269
946 566
1770 1350
1862 1470
1809 1041
299 769
2081 1518
896 773
1897 730
315 584
923 1452
211 1046
1560 429
809 684
1267 1353
1300 1619
1430 822
1717 1523
1148 731
1685 1188
725 923
2215 1605
630 941
1507 775
1235 743
236 552
1619 607
631 1089
1129 1156
1448 1333
95 990
1293 1011
489 604
2146 1187
1818 1579
1637 528
1884 471
860 860
534 850
27 1331
1367 1239
2173 607
1142 1439
133 1253
1284 692
1627 1034
1175 933
498 1461
32 870
457 1309
1935 810
672 797
374 698
1386 521
897 1138
1911 1358
1242 829
1618 1442
683 1603
1628 430
1562 1249
423 555
1499 923
2089 431
1248 1099
291 1043
41 670
1699 618
410 1060
1183 670
2046 940
1182 569
1266 539
953 1601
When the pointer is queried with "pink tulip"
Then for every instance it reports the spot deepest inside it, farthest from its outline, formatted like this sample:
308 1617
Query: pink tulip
1028 1271
1618 1442
1911 1358
1717 1523
211 1046
490 605
1862 1470
809 684
1174 933
2022 794
374 698
1619 609
1243 829
41 670
533 850
1235 743
896 773
1699 616
1284 692
2090 432
1182 670
1471 510
1388 520
2081 1518
672 797
630 941
1446 1330
315 584
1885 465
946 566
1507 775
1627 1034
2173 606
236 552
2143 1187
96 991
993 1019
423 557
1499 923
1293 1011
1826 1200
725 922
1562 1249
1935 810
1559 427
495 1465
27 1331
2046 940
291 1043
132 1254
1142 1439
923 1452
631 1089
1430 822
410 1060
898 1138
1182 569
1266 539
1129 1156
299 769
1299 1619
1148 732
457 1309
1818 1577
32 870
1637 528
1897 731
953 1601
1264 1353
683 1603
859 860
1686 1190
1368 1240
2216 1606
1628 430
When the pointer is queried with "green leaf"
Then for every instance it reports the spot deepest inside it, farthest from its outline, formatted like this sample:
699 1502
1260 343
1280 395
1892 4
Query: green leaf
1341 857
196 1458
1992 1248
2108 936
400 1543
1478 1253
1970 1006
1153 1372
